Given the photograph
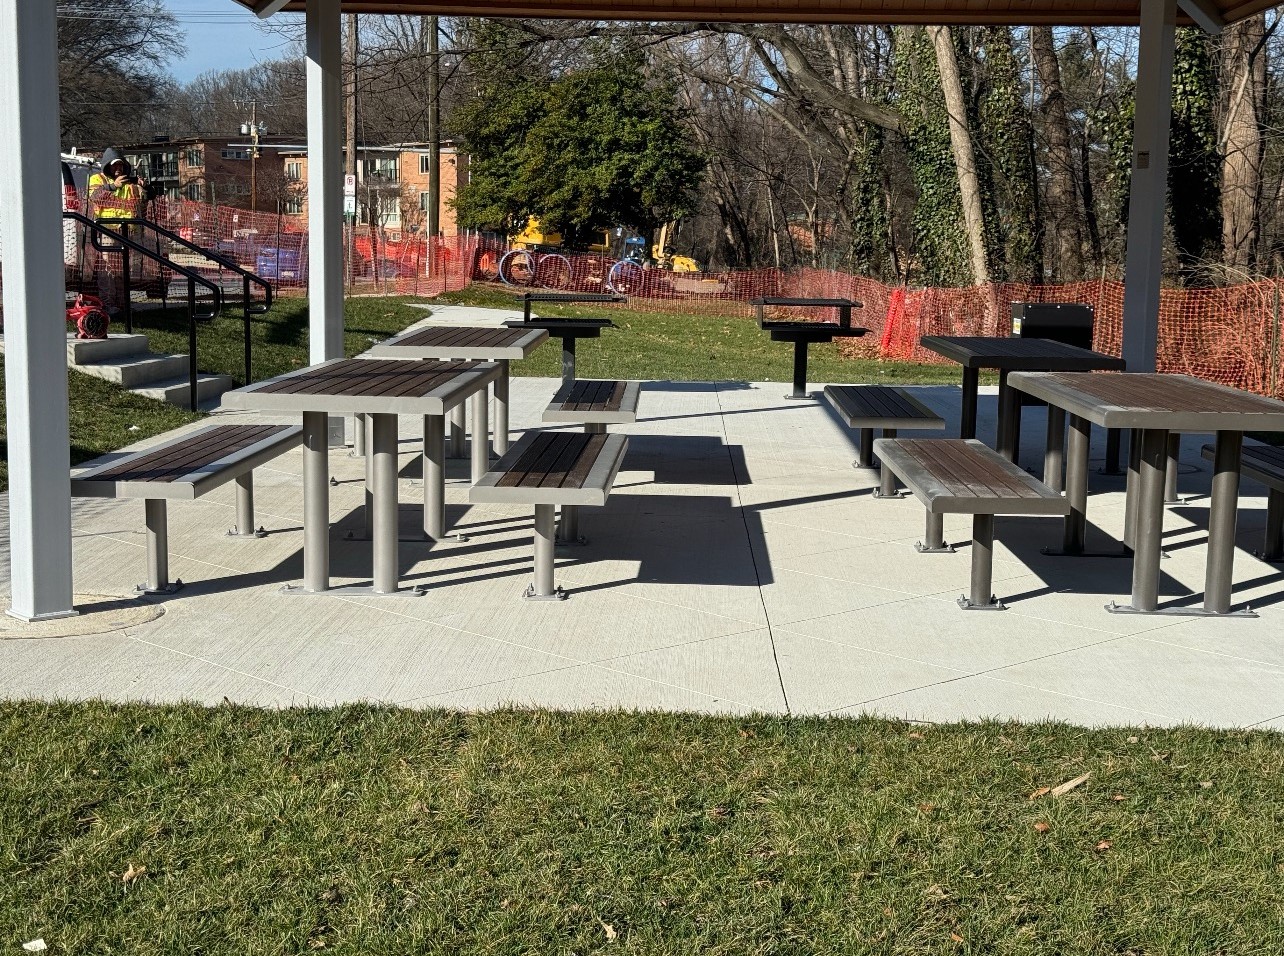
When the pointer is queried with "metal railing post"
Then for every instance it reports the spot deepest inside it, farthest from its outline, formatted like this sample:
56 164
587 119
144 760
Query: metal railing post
191 342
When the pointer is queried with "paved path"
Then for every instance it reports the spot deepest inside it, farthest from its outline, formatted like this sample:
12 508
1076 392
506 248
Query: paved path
741 565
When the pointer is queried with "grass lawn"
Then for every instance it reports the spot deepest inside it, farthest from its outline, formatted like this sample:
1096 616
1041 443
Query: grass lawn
697 348
179 829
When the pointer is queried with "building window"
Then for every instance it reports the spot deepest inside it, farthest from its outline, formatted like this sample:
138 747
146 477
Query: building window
424 201
195 157
425 164
387 169
294 171
235 153
195 192
294 206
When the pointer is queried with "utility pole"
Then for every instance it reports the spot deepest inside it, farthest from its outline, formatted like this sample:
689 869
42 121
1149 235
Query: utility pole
434 137
254 131
350 132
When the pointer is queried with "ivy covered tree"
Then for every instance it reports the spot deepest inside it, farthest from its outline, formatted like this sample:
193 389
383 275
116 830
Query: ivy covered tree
583 151
1194 159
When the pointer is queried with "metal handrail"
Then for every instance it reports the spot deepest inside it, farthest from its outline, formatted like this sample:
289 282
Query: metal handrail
247 277
124 245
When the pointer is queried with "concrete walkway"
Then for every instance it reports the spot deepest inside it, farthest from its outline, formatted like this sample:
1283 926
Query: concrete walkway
741 565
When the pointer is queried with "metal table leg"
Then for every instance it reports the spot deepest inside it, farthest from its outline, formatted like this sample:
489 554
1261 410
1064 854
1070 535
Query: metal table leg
384 532
1130 488
800 371
543 588
1054 456
358 435
1221 523
457 432
480 430
866 459
1148 520
886 478
568 359
316 502
981 595
1273 548
1111 464
1170 471
368 509
1005 443
1076 523
501 410
434 477
967 420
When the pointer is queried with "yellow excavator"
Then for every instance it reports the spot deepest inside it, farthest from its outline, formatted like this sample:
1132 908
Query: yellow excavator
533 237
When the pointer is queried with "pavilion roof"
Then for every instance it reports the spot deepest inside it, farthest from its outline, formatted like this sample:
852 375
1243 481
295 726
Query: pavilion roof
1000 12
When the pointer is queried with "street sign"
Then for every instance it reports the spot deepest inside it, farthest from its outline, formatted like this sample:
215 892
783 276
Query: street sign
349 185
349 205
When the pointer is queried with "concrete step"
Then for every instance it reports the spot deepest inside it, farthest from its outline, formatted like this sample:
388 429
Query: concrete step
176 391
115 346
136 371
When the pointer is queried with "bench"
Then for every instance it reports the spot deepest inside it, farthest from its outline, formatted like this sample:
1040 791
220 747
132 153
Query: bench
547 469
1265 463
595 404
884 407
963 476
185 469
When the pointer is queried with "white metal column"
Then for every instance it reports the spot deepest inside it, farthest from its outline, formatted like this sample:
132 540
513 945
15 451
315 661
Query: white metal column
35 337
325 181
1149 189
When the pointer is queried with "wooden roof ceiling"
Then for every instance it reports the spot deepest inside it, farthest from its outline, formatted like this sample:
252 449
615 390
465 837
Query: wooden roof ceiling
1011 12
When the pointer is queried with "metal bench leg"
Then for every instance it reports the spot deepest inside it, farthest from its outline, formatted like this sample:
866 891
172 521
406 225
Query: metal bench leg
982 596
457 432
316 502
543 589
1111 465
866 459
157 550
934 538
886 479
480 429
1170 470
1054 456
501 410
245 509
1273 549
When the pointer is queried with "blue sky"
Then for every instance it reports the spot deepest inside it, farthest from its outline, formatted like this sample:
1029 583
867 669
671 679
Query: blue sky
220 34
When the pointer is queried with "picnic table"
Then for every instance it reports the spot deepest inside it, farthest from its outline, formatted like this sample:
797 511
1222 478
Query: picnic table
975 352
569 330
382 389
1157 405
499 345
803 334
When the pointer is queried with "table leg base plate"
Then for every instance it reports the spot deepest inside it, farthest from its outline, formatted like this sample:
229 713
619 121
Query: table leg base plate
994 604
1114 608
573 543
801 398
946 548
530 595
172 588
408 539
353 590
894 494
859 467
233 533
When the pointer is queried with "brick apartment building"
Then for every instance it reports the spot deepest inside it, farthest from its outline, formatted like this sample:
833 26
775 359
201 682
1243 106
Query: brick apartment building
392 180
392 186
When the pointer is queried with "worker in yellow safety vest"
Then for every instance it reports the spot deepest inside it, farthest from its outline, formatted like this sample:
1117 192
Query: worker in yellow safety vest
115 193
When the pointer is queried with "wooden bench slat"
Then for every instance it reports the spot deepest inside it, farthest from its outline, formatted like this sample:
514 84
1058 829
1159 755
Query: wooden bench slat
174 461
562 468
556 474
963 476
605 401
1262 463
880 406
530 458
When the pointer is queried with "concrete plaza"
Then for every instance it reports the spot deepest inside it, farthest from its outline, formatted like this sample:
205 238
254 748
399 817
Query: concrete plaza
740 565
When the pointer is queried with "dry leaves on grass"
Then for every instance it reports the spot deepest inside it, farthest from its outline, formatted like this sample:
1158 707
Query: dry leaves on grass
132 873
1042 827
610 932
1061 789
1104 845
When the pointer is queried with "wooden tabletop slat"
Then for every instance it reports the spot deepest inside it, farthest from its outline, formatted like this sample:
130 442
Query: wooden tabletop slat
1018 354
184 457
370 378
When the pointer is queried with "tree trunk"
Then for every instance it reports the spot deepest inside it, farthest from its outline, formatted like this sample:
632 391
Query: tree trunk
964 157
1064 238
1244 67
